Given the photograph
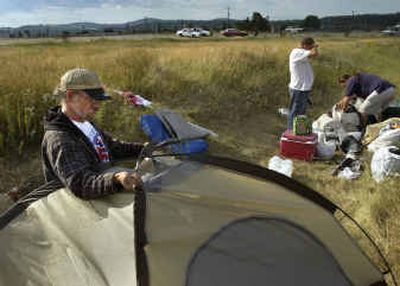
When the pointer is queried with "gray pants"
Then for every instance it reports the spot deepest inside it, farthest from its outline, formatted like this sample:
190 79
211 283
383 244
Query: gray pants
376 102
297 106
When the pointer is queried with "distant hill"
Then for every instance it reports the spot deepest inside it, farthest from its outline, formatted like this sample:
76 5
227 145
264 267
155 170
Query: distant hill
366 22
145 25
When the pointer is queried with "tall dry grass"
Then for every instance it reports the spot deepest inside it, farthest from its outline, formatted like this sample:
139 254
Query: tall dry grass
231 86
205 79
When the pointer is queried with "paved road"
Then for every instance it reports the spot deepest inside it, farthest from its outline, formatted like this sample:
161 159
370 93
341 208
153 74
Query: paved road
7 41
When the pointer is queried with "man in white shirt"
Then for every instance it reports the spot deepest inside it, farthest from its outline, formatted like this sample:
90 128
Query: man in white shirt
301 78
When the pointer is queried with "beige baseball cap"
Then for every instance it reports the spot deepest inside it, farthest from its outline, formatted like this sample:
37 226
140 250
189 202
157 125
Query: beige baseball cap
85 80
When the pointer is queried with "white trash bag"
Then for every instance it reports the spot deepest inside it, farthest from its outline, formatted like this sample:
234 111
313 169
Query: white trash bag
283 166
283 111
387 137
385 162
350 120
349 174
322 122
332 129
325 149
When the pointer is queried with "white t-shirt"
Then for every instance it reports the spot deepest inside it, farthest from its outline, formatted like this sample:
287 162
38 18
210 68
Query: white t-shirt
301 73
95 138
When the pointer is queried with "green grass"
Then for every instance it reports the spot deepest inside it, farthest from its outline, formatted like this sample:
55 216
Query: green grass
232 86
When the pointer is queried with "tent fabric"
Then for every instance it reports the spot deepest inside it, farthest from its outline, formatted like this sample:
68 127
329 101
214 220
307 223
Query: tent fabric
169 233
270 176
194 207
63 240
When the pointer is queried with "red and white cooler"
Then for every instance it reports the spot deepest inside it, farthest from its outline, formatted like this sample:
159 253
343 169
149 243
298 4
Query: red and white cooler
301 147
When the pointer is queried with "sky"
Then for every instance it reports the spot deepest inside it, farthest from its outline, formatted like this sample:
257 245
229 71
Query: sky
14 13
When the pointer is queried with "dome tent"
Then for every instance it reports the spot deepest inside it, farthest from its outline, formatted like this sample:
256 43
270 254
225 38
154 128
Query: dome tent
206 221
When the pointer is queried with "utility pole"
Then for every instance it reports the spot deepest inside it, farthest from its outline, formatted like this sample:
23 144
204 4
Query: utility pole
229 15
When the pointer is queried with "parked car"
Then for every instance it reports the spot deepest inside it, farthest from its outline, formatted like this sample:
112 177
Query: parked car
293 30
231 32
193 33
185 32
203 33
392 31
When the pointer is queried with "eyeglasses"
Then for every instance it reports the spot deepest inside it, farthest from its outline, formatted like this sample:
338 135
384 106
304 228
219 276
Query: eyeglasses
87 96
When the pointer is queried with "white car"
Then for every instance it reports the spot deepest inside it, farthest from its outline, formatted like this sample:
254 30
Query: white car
293 30
193 33
392 31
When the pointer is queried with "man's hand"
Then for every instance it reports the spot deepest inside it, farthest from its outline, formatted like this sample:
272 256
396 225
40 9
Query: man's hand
129 181
129 97
127 94
344 103
314 51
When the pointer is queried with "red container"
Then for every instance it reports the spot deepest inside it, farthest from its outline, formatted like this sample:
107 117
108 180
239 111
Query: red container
301 147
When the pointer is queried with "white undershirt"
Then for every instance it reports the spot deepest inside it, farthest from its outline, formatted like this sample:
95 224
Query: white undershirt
94 137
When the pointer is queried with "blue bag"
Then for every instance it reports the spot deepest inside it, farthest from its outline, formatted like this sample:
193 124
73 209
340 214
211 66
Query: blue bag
153 127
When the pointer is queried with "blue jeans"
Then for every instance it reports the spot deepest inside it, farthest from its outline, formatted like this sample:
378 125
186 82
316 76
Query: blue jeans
297 106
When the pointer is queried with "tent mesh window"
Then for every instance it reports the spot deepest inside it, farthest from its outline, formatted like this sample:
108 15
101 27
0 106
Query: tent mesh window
256 251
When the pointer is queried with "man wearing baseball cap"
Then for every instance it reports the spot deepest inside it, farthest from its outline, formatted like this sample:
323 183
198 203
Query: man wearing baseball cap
75 152
301 78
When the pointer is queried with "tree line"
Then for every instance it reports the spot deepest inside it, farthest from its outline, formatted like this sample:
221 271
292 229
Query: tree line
366 22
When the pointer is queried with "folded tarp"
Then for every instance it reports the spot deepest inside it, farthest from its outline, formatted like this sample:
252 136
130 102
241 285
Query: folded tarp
179 128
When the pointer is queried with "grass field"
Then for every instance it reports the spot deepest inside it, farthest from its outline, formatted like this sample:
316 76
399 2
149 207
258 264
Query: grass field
233 87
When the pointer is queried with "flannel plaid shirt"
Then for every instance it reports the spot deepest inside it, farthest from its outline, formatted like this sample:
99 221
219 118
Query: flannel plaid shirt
69 158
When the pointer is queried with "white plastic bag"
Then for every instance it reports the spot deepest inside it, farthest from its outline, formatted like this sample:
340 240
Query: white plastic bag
390 137
349 174
385 162
283 166
283 111
357 135
319 125
350 121
325 149
332 128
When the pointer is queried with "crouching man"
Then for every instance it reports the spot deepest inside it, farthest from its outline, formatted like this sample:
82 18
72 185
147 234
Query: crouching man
74 151
376 92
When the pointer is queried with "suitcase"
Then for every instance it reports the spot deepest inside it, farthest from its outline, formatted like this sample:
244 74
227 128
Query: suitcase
298 147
